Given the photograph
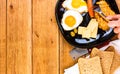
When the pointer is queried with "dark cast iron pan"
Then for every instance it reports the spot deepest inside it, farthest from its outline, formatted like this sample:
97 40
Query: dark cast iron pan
78 41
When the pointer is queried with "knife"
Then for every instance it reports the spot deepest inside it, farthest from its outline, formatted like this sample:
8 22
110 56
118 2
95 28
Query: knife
78 52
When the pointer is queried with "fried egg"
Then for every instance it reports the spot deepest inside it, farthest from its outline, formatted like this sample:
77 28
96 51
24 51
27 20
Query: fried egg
71 19
78 5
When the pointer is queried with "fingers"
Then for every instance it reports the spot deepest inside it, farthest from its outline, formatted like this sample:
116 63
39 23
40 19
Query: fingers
114 17
119 35
117 30
114 24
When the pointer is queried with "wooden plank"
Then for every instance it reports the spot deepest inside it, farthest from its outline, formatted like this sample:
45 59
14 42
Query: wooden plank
118 3
66 60
45 38
19 37
2 36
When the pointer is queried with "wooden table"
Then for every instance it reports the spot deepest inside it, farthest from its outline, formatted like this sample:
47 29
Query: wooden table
30 42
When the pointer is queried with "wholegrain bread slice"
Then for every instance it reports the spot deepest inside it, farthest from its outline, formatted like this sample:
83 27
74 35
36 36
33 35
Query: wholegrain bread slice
116 59
106 59
90 65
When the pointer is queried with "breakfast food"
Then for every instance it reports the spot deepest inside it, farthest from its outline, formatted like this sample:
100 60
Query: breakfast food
93 27
81 30
105 8
103 24
72 33
116 59
90 65
78 5
105 59
71 19
75 30
90 8
109 61
90 31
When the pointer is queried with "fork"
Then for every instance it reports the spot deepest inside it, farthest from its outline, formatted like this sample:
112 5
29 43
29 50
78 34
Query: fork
99 11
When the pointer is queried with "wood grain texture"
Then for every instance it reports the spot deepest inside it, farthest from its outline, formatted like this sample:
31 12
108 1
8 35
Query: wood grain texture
45 38
66 60
19 37
30 41
2 36
118 3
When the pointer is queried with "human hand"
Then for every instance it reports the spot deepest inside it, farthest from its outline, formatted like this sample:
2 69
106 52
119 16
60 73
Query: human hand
115 23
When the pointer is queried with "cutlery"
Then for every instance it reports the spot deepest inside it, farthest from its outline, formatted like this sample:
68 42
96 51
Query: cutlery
98 10
78 52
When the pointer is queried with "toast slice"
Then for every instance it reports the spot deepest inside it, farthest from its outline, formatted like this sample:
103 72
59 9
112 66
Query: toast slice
116 59
106 59
90 65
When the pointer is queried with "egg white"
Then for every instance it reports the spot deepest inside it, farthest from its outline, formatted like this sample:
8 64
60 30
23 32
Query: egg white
68 4
78 17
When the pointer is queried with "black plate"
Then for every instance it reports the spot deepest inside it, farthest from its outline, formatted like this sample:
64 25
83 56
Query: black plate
78 41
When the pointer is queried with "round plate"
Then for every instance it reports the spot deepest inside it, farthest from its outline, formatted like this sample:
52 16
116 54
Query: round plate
78 41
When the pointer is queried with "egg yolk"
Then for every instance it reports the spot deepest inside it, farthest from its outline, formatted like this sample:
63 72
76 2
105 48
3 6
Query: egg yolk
78 3
70 21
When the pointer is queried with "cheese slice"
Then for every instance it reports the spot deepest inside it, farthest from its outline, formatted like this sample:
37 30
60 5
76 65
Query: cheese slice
93 27
86 33
90 31
81 30
94 32
92 24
